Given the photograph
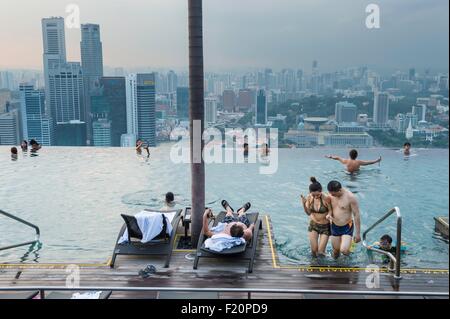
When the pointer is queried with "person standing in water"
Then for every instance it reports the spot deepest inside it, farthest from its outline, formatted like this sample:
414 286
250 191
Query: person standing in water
14 155
317 206
353 164
169 202
24 146
407 149
345 219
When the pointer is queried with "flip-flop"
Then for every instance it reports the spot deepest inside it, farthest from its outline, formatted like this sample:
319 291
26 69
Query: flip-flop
246 207
226 205
148 271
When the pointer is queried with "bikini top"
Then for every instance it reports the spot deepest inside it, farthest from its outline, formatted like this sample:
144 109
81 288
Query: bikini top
322 210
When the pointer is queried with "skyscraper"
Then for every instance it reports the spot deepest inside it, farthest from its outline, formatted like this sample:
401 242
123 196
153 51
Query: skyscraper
261 108
210 110
92 66
64 91
140 93
101 129
229 100
172 82
35 124
54 40
9 128
183 103
345 112
381 108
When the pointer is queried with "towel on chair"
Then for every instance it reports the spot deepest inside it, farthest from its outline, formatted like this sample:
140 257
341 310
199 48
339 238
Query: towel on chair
151 225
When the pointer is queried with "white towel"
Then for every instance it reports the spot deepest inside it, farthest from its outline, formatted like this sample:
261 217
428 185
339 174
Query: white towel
151 225
87 295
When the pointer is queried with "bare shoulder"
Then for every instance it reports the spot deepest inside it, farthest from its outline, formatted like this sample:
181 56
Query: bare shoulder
352 197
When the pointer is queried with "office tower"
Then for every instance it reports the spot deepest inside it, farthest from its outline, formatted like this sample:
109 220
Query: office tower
7 81
5 96
246 100
211 110
261 108
66 92
299 80
172 82
10 128
229 100
443 82
140 93
72 133
101 129
183 103
381 108
54 41
412 74
400 123
35 124
345 112
92 66
413 119
109 102
420 111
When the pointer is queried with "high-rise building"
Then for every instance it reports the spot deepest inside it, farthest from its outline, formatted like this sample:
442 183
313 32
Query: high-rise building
54 40
412 74
10 128
172 82
65 89
261 108
229 100
7 81
246 99
92 66
5 96
345 112
141 107
420 111
183 102
72 133
35 124
381 108
101 129
210 110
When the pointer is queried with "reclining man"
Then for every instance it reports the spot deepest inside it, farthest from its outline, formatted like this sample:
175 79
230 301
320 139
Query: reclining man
233 226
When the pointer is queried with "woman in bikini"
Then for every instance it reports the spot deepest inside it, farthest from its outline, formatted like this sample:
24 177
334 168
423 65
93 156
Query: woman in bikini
317 206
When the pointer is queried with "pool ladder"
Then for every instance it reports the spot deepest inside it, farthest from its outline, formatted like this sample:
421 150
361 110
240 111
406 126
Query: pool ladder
36 228
395 261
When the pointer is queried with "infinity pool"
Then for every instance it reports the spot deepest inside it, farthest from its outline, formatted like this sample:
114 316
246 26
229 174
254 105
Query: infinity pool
76 196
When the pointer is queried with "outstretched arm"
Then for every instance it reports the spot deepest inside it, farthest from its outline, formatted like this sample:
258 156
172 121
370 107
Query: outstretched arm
336 158
248 233
366 163
206 229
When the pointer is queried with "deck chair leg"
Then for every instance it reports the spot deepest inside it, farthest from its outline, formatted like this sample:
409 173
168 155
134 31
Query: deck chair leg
254 245
113 260
197 258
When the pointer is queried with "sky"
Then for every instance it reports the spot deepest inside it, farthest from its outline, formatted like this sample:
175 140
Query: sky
239 34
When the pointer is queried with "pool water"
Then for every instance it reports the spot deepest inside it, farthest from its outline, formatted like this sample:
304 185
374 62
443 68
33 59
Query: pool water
76 196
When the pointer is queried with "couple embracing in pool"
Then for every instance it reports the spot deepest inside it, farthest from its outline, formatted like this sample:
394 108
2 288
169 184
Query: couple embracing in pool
334 215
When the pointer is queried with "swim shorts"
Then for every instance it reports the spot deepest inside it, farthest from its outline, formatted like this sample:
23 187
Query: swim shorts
232 219
339 231
321 229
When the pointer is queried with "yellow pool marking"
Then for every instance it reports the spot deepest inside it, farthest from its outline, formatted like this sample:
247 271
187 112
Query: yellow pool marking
275 264
269 234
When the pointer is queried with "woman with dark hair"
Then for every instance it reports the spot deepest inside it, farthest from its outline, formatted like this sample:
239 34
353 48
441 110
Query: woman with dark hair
317 206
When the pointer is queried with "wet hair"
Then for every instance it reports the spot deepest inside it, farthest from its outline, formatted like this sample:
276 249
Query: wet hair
245 145
334 186
353 154
169 197
315 186
25 142
237 231
386 238
407 144
14 150
33 142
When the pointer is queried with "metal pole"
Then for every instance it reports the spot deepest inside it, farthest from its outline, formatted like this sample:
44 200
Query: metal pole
398 248
196 116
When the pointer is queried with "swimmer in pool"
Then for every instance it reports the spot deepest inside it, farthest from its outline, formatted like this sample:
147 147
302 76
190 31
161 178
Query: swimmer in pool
353 164
317 206
14 155
345 219
139 144
407 149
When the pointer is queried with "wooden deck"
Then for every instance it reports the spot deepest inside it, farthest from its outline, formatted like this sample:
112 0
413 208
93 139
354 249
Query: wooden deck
229 273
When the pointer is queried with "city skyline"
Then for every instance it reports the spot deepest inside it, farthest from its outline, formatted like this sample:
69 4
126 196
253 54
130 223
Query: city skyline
389 47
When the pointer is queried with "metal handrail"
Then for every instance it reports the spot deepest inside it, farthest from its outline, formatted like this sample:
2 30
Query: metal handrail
20 220
249 291
394 260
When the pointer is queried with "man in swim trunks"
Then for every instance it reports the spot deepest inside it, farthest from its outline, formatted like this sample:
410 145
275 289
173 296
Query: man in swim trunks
345 219
237 226
407 149
353 164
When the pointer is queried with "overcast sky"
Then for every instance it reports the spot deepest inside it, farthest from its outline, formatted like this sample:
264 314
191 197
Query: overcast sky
239 33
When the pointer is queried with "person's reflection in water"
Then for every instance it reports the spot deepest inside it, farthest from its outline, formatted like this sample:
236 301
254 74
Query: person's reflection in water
14 155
